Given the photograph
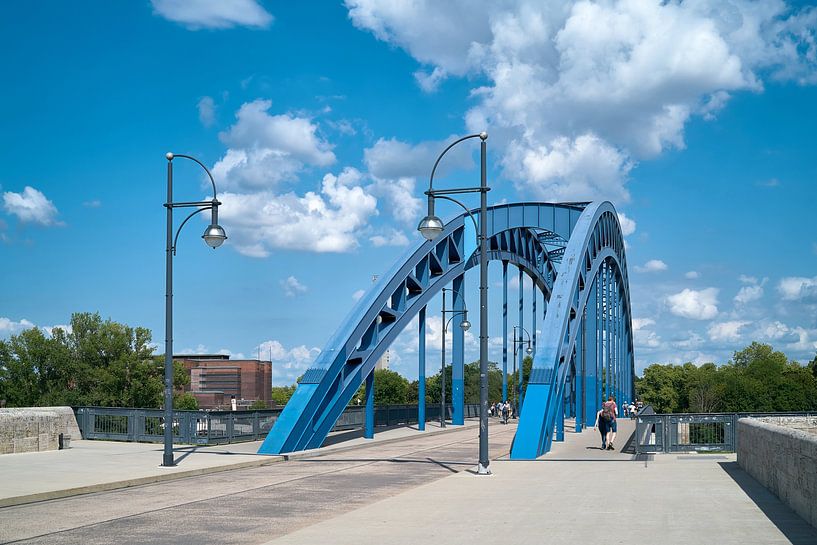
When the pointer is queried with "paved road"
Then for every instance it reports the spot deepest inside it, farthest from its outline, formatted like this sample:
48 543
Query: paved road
251 505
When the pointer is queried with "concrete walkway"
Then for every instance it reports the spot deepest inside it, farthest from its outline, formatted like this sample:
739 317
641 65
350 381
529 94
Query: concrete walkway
575 495
96 466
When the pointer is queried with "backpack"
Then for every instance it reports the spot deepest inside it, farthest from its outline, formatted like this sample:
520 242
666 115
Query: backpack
607 411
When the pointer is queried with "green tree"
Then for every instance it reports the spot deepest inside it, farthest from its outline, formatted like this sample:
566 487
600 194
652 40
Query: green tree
185 402
281 394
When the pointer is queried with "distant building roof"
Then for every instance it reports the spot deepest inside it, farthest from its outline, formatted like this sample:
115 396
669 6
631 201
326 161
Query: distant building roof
201 356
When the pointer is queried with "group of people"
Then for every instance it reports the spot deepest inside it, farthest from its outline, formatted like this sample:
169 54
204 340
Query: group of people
502 410
606 423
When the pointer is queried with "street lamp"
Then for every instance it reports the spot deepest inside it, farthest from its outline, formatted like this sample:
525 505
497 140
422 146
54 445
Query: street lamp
214 236
517 343
431 227
465 325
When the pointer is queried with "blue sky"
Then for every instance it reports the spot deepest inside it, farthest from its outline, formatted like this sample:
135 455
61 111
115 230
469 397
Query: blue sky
322 121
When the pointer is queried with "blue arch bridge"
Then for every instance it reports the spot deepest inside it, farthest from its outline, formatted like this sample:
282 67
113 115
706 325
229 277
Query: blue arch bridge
574 254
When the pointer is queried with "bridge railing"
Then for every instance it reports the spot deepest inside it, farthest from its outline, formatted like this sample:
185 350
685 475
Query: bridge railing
219 427
692 432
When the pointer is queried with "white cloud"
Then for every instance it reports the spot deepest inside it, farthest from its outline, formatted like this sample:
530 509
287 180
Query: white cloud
292 286
430 81
395 165
10 327
694 304
95 203
692 275
772 331
577 92
727 331
265 149
207 111
325 221
627 224
752 291
653 265
795 288
288 363
31 206
391 238
358 294
198 14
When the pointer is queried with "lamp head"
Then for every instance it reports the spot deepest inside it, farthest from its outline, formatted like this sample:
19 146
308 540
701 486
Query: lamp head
214 236
430 227
529 350
169 156
465 325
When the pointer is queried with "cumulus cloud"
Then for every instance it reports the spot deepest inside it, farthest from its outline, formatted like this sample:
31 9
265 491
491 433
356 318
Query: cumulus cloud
326 221
577 92
653 265
292 286
218 14
392 237
207 111
287 363
752 291
264 149
395 165
694 304
726 331
31 206
798 288
10 327
627 224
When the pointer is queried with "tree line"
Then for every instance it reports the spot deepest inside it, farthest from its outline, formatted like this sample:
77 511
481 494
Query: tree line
92 362
756 379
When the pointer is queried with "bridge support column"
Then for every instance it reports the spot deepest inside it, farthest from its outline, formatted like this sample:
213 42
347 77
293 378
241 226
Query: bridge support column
458 356
560 419
504 331
533 318
520 373
580 372
421 375
368 428
591 363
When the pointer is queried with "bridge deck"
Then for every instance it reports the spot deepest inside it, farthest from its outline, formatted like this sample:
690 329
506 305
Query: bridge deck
419 490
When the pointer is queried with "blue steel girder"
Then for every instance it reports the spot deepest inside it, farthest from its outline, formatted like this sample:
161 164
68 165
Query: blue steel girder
596 240
351 354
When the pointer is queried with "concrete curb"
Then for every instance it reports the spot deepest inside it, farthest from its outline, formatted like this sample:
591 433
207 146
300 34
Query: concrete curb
151 479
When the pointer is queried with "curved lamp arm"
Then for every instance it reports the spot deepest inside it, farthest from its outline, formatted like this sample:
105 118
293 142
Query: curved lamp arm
455 313
179 230
437 162
467 211
207 170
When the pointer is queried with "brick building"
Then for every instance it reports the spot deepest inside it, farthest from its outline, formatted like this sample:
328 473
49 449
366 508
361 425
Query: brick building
215 380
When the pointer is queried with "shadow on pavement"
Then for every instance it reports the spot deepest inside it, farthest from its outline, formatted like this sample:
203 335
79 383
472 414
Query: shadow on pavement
796 530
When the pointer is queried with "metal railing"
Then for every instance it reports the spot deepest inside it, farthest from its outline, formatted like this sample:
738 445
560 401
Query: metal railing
218 427
692 432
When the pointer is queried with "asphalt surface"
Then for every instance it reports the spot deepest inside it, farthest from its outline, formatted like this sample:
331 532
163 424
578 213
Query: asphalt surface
249 506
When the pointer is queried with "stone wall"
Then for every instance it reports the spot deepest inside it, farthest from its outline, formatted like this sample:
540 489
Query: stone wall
783 459
31 429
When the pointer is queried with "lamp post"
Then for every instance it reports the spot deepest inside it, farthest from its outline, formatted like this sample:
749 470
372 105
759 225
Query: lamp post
214 236
517 343
465 325
431 226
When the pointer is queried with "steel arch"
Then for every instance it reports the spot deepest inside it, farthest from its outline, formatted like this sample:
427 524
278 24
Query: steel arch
519 233
594 261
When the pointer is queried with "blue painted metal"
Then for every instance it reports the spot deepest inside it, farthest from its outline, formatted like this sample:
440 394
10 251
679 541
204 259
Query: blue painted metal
580 242
421 372
595 247
368 428
504 331
560 419
518 233
520 373
458 352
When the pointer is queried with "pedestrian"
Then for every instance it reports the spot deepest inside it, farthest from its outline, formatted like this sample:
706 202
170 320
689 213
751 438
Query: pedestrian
609 411
601 425
506 407
492 409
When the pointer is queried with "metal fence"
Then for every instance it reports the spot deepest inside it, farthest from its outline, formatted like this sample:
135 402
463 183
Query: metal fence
218 427
688 432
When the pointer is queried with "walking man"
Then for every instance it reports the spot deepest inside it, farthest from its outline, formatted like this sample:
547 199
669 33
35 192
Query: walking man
609 412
